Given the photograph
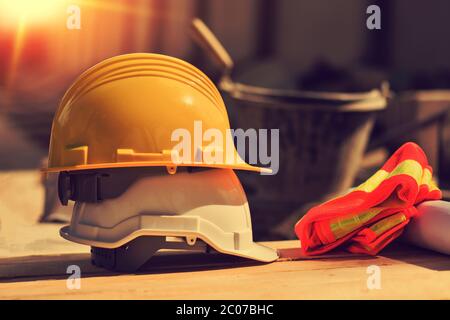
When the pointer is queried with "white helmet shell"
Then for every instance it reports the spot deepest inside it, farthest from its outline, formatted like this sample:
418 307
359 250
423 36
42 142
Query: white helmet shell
209 205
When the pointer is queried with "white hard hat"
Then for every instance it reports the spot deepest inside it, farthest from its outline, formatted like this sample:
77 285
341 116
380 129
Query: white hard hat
155 211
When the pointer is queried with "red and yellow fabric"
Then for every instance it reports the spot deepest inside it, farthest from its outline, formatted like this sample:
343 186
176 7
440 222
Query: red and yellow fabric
373 214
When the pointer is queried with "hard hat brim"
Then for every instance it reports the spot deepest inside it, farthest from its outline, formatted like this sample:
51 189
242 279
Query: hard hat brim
254 251
97 166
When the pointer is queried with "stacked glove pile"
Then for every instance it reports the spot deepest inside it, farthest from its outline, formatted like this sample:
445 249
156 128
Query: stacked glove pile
375 213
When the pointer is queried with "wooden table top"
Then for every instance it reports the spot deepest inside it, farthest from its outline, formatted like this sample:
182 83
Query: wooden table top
406 273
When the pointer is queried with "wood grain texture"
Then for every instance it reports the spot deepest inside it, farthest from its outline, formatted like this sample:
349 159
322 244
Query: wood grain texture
406 273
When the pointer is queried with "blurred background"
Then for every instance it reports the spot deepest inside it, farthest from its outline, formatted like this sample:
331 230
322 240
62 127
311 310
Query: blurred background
302 46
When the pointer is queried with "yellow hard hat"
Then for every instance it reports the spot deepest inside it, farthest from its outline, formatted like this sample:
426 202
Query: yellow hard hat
122 113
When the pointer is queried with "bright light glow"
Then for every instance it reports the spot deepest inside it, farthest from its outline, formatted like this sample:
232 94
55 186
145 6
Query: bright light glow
32 10
17 50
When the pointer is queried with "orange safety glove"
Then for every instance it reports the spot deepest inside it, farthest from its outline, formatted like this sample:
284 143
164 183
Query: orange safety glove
373 214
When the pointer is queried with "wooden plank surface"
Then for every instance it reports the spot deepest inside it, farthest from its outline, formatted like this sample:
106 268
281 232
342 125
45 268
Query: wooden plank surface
405 273
21 204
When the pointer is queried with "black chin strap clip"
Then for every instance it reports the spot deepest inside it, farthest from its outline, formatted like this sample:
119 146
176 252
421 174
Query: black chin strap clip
79 187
